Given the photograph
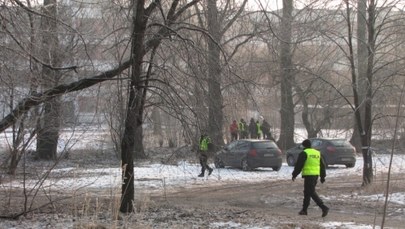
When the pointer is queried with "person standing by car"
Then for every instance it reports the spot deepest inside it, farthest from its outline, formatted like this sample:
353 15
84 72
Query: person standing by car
243 134
204 146
266 130
259 129
233 129
311 164
252 129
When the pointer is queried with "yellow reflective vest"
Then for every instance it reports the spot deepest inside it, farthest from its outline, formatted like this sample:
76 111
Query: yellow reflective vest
204 143
242 126
312 166
259 128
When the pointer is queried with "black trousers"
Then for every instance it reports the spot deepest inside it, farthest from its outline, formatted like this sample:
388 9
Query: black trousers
309 192
234 136
204 163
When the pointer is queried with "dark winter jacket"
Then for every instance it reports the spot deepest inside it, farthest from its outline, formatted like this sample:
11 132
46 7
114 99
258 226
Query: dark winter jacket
252 128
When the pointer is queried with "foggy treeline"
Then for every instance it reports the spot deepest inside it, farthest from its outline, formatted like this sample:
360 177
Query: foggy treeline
165 71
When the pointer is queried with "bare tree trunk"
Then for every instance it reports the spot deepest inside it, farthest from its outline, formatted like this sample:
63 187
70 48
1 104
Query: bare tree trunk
286 139
361 63
48 133
312 132
48 129
215 117
132 120
363 121
366 138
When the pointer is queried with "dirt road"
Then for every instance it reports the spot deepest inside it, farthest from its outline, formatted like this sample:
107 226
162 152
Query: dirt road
275 204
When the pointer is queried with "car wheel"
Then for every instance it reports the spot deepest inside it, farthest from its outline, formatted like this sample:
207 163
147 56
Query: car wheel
351 165
245 166
218 163
276 168
290 161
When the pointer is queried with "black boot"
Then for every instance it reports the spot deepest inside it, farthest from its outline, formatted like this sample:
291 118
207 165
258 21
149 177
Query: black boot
209 171
201 175
325 211
303 212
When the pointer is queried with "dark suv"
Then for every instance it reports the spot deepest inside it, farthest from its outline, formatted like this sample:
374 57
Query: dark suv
249 154
334 152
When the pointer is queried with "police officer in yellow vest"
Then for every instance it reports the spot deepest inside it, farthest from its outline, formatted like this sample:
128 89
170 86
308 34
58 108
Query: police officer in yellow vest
310 163
204 146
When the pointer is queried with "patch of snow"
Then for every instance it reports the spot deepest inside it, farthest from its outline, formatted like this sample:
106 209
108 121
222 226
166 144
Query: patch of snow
347 225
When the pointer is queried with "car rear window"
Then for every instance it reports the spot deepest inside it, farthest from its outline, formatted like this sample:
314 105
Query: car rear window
340 143
264 145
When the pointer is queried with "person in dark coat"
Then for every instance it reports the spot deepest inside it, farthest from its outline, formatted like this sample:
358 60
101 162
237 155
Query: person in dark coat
310 163
252 129
266 130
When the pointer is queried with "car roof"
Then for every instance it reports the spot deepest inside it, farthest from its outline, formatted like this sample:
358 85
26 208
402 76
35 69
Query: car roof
329 139
255 140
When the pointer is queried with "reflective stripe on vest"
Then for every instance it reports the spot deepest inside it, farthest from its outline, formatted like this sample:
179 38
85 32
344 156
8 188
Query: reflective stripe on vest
312 166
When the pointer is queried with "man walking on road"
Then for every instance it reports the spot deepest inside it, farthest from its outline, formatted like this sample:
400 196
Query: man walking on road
311 164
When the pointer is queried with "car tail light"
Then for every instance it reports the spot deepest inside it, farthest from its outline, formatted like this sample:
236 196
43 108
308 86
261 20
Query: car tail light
331 149
253 153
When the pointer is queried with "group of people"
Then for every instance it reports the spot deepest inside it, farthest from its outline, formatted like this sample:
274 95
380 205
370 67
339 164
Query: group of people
255 130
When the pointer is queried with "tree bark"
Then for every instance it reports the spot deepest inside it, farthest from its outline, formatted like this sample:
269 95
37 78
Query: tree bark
132 121
366 138
363 120
361 63
286 139
48 129
215 100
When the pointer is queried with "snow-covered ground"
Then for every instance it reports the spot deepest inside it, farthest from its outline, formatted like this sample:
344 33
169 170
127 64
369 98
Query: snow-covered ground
162 177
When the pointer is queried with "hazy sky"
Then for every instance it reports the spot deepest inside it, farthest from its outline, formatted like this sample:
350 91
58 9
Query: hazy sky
268 4
278 4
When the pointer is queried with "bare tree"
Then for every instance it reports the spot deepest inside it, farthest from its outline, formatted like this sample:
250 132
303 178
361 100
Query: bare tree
286 139
137 91
376 68
219 22
132 138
